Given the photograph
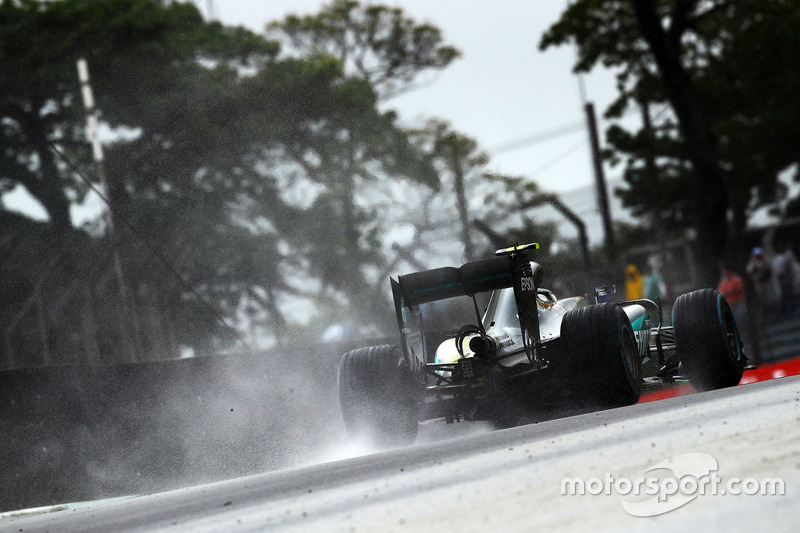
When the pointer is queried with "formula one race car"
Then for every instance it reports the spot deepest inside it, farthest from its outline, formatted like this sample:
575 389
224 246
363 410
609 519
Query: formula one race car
527 352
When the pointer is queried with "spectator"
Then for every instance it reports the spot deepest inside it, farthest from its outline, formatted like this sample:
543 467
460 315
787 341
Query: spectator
760 270
634 284
731 286
654 287
784 266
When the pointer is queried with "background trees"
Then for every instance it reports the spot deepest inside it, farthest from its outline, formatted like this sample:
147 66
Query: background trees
236 178
378 43
262 183
712 65
148 80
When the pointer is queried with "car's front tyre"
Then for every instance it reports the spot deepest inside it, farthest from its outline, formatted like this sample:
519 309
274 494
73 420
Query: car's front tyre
707 340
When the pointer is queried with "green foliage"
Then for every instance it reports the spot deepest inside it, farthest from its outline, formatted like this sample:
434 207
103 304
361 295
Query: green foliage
461 158
737 55
245 177
511 202
661 187
345 156
141 57
726 84
376 42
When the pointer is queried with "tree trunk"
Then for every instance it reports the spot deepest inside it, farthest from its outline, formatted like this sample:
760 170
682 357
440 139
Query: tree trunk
46 188
461 201
45 184
712 182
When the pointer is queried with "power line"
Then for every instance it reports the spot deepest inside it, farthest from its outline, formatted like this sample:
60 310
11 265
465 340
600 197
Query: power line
557 159
538 137
546 135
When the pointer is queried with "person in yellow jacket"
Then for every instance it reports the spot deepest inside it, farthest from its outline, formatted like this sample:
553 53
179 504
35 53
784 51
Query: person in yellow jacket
634 283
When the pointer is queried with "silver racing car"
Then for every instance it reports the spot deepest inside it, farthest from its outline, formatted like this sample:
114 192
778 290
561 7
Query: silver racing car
527 352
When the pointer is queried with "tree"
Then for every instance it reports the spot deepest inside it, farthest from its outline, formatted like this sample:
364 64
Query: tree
352 159
245 144
686 53
238 177
476 212
173 80
343 160
375 42
41 103
389 51
460 157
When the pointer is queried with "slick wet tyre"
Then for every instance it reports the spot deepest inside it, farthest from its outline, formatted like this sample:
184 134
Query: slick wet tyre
707 340
379 396
601 355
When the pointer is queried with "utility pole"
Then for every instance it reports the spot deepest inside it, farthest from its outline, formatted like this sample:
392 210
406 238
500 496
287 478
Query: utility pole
126 306
600 180
461 197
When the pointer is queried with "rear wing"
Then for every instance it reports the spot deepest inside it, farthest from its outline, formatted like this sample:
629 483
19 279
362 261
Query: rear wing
449 282
412 290
486 275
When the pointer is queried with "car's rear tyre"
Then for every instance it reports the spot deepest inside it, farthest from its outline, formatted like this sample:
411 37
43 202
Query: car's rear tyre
379 396
601 356
707 340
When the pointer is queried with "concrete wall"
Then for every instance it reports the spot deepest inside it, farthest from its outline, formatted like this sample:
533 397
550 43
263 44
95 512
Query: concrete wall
79 433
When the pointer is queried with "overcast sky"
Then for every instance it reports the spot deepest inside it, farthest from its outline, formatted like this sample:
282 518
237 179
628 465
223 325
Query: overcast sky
502 89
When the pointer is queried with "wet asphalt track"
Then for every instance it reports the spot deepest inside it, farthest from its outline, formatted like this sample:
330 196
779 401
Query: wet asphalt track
502 481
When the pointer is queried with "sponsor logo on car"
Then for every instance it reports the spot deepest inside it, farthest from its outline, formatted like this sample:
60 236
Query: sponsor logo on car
527 284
